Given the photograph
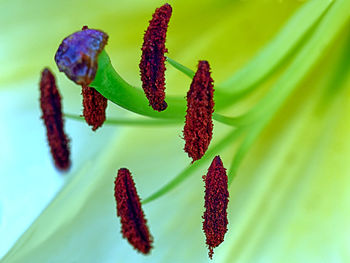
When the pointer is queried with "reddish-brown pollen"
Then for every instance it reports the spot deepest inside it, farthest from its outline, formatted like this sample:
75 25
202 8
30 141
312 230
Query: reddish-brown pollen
94 107
216 200
94 104
152 65
134 224
198 128
50 103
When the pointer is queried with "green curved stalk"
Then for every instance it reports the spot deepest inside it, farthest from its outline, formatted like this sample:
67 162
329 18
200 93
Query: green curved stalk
188 72
110 84
153 122
231 121
130 122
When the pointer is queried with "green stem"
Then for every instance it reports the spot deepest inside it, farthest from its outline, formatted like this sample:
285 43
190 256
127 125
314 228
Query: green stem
188 72
231 121
110 84
189 170
130 122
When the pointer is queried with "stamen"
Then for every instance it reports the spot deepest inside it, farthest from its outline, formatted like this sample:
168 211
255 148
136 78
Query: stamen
77 56
132 219
50 103
198 128
95 106
216 200
152 65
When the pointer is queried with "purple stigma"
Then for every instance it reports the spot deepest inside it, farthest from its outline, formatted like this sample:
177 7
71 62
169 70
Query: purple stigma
77 56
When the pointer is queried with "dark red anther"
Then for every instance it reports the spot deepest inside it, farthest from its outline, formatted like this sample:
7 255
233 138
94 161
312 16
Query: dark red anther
134 227
198 128
50 103
95 105
216 200
152 65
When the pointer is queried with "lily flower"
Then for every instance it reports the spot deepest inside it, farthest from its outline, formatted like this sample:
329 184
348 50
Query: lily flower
282 105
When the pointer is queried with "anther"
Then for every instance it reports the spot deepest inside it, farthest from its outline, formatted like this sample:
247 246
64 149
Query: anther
134 224
216 200
152 65
50 103
94 107
198 128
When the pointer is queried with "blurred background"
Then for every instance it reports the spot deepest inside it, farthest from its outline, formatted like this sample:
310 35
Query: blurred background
227 33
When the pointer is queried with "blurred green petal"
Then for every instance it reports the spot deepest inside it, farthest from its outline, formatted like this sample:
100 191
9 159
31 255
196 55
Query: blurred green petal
289 201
